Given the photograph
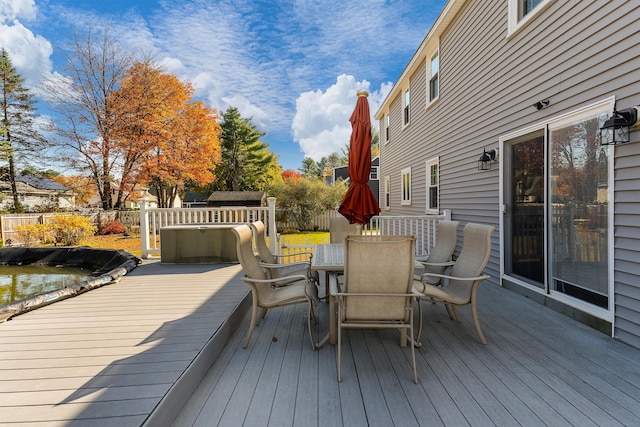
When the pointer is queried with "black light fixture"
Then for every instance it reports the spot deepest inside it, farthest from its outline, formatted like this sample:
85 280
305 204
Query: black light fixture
488 157
541 104
615 129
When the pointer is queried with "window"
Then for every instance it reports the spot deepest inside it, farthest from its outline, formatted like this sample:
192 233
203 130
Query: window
434 80
387 192
386 129
433 185
374 173
406 186
406 107
523 11
526 6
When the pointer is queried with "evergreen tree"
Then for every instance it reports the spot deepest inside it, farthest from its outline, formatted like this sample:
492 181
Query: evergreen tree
20 136
309 168
245 158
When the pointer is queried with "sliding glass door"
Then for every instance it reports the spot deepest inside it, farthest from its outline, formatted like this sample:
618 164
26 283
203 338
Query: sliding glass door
579 196
524 193
555 197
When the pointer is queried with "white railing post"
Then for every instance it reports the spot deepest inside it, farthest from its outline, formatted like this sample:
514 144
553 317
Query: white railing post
273 232
447 214
144 227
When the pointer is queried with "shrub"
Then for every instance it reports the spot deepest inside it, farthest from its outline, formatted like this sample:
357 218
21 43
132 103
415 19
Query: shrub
112 227
69 229
31 234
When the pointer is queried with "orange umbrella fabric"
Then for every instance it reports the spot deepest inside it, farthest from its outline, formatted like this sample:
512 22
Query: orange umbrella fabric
359 204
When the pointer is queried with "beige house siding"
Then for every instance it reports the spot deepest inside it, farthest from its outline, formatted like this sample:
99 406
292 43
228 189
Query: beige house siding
573 54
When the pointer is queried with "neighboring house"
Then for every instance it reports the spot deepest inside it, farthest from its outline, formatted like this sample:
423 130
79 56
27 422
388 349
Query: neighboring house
175 203
195 200
342 172
36 192
131 199
535 81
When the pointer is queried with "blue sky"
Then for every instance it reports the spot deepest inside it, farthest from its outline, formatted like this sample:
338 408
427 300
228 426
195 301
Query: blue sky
293 66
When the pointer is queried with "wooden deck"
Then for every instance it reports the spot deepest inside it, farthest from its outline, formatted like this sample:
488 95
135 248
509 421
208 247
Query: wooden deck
539 368
117 354
132 353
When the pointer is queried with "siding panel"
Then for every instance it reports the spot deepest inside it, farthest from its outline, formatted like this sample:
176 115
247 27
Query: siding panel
572 53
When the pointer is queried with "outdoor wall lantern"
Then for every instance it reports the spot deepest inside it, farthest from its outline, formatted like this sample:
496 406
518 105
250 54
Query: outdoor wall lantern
541 104
615 129
488 157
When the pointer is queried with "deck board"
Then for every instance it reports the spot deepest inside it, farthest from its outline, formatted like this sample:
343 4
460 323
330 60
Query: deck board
539 368
110 356
118 355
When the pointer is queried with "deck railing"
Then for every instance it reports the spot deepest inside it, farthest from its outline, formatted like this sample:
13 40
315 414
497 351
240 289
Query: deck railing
422 226
153 219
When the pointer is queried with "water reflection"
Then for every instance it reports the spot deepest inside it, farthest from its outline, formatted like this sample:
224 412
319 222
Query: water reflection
18 282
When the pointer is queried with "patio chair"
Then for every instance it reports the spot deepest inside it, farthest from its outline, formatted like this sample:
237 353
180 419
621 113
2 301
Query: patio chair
377 291
339 228
268 293
461 284
275 264
440 256
438 260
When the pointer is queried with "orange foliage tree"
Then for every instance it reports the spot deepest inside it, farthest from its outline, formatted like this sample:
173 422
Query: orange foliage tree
81 186
290 173
166 137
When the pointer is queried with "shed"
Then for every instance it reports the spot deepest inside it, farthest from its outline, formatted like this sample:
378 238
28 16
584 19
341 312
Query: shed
237 198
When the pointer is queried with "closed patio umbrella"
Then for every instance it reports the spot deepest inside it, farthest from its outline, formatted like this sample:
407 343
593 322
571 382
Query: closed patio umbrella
359 204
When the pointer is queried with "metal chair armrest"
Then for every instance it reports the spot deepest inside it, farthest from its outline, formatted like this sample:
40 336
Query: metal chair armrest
444 276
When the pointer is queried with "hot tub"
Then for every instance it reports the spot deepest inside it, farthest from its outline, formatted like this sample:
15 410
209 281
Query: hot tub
198 243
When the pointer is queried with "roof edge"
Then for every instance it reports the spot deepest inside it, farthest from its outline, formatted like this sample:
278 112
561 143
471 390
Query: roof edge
447 14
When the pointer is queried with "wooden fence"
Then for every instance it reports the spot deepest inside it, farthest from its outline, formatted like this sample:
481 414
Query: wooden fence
9 223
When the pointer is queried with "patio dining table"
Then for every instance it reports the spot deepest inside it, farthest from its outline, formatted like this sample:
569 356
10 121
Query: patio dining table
329 257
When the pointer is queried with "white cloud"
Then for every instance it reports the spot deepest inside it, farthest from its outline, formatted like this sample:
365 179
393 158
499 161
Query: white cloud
173 65
30 54
265 58
15 9
321 123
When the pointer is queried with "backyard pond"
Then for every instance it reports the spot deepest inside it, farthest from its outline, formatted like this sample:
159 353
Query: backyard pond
33 277
18 282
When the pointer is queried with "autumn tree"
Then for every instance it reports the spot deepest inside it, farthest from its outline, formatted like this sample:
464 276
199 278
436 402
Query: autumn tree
290 173
20 136
81 186
245 158
166 138
87 123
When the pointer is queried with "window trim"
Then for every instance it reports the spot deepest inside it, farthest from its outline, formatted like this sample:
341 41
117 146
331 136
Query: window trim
373 176
514 23
405 178
428 164
387 193
387 128
430 77
406 107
